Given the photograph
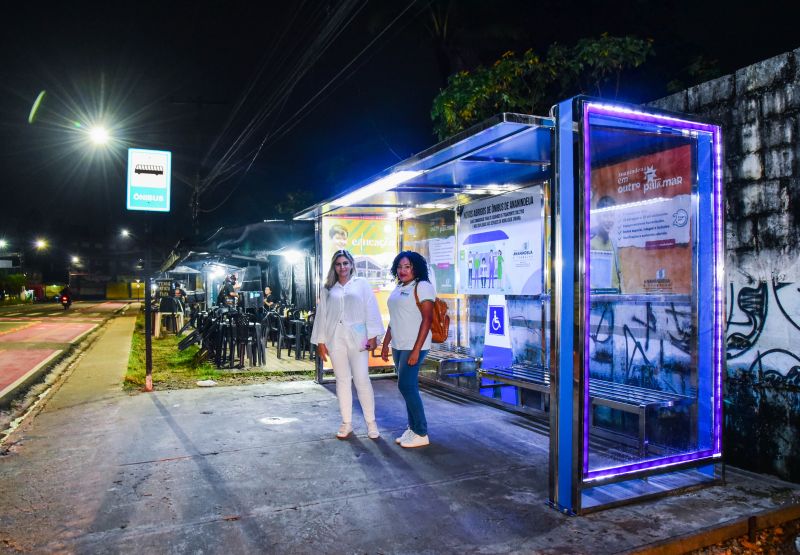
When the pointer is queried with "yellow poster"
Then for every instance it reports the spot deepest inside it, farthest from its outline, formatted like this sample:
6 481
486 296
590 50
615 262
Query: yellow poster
373 244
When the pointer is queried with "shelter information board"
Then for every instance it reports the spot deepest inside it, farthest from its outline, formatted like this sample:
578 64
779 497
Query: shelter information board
500 245
149 180
433 236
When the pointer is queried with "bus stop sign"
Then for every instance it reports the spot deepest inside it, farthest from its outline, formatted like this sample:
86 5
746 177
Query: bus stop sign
149 180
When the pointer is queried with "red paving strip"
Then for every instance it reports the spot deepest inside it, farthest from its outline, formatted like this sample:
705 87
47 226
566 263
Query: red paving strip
64 332
15 366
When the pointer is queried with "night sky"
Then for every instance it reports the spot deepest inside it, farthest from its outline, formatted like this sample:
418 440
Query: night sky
193 77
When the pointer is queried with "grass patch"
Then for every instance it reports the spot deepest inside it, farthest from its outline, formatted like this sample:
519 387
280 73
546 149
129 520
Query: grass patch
174 369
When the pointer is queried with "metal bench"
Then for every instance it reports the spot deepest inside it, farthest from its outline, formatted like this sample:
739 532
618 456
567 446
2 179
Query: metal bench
626 398
445 353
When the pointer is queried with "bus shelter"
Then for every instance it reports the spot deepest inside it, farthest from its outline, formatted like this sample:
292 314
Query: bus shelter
581 257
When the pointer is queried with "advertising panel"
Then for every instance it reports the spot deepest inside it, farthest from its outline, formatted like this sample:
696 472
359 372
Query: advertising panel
434 237
500 245
373 244
641 224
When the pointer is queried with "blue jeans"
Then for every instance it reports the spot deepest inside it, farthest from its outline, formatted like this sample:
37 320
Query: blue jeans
408 384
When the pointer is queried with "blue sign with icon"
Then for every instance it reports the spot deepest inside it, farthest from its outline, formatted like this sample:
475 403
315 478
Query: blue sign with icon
497 320
149 180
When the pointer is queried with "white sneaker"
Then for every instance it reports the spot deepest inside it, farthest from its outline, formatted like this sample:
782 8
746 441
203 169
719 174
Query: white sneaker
372 430
415 440
344 430
404 437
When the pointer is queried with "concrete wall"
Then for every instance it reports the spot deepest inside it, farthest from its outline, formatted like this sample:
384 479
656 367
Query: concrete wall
759 110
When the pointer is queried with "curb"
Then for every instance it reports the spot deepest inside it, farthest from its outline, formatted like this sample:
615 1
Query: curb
717 534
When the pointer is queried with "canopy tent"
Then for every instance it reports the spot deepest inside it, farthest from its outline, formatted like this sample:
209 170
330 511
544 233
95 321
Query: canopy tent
284 252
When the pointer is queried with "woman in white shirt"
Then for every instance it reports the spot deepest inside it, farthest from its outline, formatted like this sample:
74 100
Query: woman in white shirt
410 317
346 327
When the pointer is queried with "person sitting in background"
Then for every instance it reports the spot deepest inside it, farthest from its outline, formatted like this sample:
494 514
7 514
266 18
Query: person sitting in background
269 298
227 293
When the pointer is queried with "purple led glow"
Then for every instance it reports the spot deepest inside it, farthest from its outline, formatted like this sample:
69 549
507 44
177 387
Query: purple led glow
719 273
681 124
587 206
599 475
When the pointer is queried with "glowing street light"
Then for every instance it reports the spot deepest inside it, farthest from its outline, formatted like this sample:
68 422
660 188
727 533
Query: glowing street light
125 233
99 135
76 260
40 244
3 243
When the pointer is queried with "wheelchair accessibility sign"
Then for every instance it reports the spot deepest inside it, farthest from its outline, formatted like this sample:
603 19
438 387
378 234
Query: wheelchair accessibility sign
497 338
497 320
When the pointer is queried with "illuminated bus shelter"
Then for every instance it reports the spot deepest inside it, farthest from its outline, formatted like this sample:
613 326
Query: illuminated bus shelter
582 260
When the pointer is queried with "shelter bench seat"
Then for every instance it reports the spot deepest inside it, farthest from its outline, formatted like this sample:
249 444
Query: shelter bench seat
623 397
446 353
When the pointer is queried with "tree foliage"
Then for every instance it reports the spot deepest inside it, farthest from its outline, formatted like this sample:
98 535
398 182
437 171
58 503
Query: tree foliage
11 284
531 83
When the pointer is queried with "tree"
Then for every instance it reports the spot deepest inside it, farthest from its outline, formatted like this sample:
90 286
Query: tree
11 284
531 83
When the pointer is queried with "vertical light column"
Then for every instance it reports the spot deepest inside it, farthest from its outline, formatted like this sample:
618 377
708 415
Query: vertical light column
563 491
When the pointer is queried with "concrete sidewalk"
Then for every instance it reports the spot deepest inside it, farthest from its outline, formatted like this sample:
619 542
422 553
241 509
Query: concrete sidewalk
256 469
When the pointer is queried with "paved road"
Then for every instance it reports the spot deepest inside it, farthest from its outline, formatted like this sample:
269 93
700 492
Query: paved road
33 337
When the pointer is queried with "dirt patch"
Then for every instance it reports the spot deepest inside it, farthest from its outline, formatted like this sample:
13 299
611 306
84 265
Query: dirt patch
778 540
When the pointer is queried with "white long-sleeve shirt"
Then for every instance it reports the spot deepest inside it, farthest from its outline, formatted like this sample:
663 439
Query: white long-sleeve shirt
351 303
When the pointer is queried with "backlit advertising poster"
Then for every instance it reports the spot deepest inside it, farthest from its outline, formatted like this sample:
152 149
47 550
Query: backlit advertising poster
373 244
641 213
434 237
500 245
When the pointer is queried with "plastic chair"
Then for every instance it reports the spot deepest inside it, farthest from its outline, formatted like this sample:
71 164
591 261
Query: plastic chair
285 338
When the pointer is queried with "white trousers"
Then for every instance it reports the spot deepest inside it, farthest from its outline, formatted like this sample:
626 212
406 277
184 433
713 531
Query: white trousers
351 365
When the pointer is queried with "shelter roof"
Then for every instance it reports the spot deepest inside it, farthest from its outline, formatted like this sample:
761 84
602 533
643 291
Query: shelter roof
504 153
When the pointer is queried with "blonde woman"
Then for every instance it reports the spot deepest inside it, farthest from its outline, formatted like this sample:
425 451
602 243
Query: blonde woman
347 326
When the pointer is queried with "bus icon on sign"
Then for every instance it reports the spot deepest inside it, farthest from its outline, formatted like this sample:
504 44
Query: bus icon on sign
497 320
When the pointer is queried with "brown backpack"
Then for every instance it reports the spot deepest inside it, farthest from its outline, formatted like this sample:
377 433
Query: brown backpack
440 326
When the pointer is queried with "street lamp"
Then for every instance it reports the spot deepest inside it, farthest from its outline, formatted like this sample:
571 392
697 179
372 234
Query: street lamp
3 243
99 135
125 233
76 260
40 244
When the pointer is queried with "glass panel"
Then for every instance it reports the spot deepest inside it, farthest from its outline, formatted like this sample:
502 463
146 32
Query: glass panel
651 295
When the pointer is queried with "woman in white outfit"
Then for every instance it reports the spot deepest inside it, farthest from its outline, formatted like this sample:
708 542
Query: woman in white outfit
346 328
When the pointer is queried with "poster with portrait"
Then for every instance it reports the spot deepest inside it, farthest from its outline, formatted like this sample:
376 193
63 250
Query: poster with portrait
373 244
500 245
371 241
640 224
434 237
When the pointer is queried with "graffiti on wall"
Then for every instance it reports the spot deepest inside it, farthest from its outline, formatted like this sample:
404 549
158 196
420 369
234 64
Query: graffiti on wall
762 322
762 388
